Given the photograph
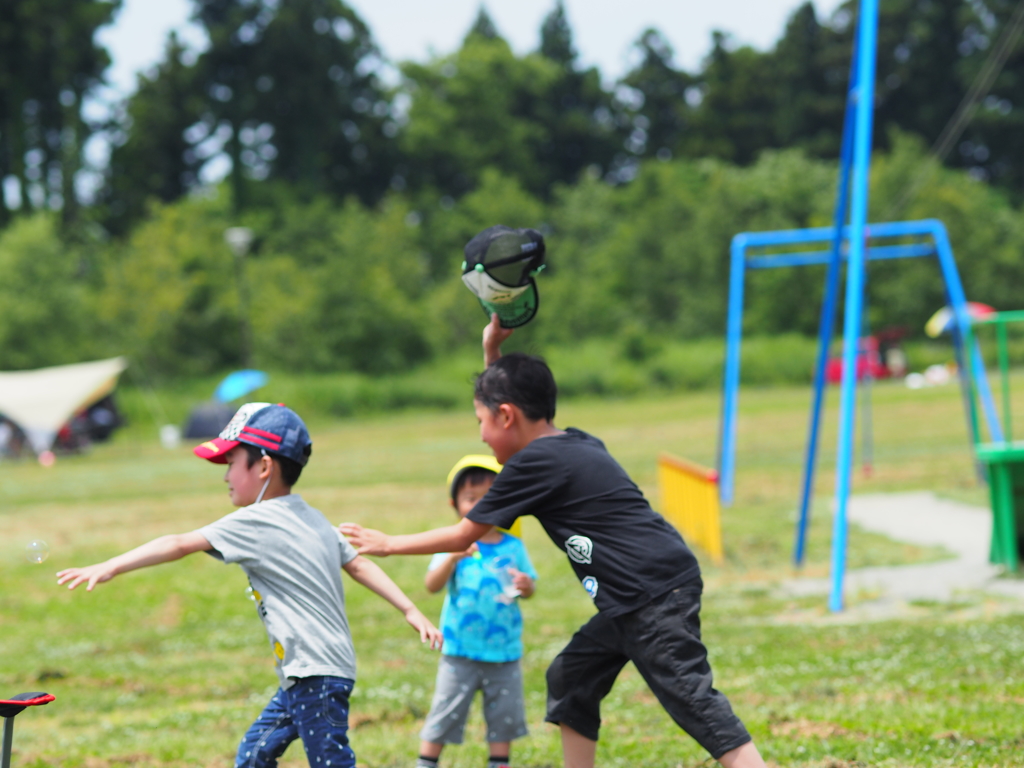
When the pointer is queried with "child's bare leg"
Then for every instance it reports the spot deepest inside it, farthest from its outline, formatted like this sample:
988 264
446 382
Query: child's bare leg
499 752
430 749
746 756
577 750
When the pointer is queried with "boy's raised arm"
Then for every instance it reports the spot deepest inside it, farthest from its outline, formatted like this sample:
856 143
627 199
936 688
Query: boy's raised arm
452 538
371 576
161 550
494 335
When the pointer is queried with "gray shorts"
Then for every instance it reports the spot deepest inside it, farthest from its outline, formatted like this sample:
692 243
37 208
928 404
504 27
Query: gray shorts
458 680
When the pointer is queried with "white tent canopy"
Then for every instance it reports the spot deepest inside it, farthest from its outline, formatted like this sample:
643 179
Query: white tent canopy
42 401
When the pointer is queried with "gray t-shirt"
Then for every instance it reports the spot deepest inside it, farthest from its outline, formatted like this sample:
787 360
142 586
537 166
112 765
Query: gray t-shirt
293 558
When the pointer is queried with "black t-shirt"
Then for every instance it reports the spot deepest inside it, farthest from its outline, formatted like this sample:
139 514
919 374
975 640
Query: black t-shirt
623 552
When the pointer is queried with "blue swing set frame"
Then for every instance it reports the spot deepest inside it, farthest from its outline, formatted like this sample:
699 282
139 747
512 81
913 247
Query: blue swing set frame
851 241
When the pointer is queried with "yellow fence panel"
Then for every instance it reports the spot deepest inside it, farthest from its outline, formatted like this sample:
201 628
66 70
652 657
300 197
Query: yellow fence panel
689 500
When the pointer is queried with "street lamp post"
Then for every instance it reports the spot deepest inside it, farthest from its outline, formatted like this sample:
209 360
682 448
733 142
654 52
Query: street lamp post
239 240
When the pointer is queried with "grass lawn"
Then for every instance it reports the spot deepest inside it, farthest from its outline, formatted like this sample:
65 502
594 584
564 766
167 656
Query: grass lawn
167 666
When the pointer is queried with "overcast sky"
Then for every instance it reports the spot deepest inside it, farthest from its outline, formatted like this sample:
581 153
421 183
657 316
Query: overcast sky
414 29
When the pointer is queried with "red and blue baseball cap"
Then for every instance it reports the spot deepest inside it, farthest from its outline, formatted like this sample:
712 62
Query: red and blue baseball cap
275 428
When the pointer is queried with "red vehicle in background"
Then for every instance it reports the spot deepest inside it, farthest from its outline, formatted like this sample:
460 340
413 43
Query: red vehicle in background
880 356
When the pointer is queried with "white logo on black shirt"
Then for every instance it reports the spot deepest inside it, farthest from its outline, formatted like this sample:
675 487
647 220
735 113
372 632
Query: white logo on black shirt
579 549
590 584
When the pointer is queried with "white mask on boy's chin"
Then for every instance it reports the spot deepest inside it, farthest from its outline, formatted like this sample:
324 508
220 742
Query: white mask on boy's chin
264 488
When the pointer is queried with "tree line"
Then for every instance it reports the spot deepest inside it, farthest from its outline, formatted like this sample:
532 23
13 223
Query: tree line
362 192
348 286
291 93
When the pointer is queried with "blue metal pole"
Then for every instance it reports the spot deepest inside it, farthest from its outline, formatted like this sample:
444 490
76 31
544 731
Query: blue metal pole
867 30
958 301
827 324
825 234
947 265
812 258
731 383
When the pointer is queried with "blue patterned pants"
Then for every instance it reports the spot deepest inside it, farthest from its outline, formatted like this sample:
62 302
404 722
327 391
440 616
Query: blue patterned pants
315 710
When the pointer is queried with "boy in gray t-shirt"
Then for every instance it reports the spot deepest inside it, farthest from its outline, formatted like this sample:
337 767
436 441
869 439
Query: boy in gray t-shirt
293 557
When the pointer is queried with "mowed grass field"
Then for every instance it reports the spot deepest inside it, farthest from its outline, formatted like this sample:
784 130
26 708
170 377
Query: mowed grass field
167 666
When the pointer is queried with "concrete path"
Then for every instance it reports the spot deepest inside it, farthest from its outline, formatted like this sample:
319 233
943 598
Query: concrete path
921 518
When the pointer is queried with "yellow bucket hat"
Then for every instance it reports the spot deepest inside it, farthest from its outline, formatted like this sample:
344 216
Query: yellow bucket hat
478 461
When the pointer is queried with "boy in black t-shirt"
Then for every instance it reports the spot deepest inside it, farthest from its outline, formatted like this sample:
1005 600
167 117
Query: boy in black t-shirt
642 577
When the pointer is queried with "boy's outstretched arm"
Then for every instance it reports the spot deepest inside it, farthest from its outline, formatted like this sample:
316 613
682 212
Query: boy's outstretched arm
452 538
370 575
161 550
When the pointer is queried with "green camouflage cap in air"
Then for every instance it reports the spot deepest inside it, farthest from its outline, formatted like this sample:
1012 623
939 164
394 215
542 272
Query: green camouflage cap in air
499 269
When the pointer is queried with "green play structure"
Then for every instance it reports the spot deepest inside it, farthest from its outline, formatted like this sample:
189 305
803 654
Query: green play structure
1003 460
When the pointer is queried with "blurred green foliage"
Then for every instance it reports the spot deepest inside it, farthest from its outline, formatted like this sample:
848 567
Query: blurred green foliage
640 269
362 190
46 314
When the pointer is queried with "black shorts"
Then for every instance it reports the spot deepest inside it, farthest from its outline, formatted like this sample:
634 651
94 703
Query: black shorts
663 640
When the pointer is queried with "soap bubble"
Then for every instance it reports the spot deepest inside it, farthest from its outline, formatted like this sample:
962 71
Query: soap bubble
37 551
170 436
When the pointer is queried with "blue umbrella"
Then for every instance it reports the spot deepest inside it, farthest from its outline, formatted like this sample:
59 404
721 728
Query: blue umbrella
239 384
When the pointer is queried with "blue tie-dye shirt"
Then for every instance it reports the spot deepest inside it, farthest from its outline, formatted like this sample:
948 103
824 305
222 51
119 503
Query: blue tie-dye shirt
478 621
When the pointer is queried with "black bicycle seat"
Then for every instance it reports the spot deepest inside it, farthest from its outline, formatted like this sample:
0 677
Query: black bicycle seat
12 706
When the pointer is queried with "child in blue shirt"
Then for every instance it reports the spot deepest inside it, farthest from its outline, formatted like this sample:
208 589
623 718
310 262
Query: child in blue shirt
482 627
